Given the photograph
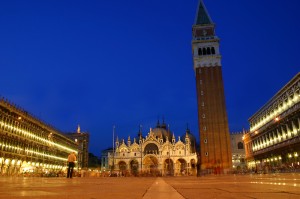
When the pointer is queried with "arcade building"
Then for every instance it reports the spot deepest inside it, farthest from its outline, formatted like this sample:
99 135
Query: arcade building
274 138
28 146
159 153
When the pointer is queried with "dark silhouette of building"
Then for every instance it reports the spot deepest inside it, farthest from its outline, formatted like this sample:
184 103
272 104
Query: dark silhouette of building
94 161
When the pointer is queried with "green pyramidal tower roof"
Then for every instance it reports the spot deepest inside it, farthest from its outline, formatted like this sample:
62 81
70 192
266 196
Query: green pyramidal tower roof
202 16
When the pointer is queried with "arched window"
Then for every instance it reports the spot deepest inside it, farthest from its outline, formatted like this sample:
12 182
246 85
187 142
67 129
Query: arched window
151 149
208 50
204 51
240 145
199 51
213 50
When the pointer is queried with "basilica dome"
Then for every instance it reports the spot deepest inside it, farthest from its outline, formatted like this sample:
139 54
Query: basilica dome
163 133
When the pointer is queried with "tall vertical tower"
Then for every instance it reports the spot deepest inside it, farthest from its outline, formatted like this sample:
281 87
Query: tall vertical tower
215 148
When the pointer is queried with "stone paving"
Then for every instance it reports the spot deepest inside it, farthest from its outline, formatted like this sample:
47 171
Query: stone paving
227 186
275 186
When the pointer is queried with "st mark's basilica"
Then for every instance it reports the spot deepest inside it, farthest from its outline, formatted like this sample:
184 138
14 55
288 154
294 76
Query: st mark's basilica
157 153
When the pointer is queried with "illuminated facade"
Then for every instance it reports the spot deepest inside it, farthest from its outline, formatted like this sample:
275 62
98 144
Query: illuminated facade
215 150
82 139
159 153
28 145
238 150
274 137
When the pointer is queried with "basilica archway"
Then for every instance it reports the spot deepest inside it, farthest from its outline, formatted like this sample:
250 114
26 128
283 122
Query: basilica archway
181 167
122 167
134 167
151 148
168 167
150 163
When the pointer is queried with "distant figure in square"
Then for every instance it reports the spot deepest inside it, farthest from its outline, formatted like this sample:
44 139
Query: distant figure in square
71 164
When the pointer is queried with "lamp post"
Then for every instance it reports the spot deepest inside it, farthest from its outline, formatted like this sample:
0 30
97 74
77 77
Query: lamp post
141 146
141 142
113 158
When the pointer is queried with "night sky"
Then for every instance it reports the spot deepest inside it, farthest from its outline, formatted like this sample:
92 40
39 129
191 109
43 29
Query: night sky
100 63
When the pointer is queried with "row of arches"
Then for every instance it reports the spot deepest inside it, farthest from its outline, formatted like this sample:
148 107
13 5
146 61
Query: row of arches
14 167
280 133
206 51
26 149
150 165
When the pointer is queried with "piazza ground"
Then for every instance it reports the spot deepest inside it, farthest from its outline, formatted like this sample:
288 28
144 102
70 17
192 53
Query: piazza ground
224 186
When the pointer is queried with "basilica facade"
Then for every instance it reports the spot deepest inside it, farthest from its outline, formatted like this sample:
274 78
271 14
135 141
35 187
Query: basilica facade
159 153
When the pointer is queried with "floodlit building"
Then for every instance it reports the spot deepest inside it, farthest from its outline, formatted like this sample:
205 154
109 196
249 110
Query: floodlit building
159 153
82 139
215 150
30 146
274 138
238 151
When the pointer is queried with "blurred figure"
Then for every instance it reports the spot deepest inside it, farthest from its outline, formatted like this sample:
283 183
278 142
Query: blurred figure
71 164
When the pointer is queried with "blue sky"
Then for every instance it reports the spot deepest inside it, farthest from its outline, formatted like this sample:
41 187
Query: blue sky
101 63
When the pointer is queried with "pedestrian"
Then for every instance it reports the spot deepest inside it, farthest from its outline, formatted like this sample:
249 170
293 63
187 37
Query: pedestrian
71 164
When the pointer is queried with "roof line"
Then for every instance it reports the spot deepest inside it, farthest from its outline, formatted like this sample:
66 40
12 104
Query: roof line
196 17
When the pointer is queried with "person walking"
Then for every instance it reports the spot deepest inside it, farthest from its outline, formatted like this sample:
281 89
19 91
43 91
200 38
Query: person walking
71 164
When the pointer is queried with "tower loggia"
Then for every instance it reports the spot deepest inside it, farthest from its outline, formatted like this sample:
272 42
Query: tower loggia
215 151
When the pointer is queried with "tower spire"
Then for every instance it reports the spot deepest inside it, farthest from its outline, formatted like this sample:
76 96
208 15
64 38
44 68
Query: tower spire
202 16
78 129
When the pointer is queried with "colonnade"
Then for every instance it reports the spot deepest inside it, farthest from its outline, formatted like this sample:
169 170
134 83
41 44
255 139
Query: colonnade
28 145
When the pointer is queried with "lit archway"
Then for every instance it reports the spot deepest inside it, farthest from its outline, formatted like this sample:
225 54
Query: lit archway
151 148
134 167
122 166
181 167
168 167
150 163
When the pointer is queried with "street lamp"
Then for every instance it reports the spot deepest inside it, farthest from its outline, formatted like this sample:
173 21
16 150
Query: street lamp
141 146
113 158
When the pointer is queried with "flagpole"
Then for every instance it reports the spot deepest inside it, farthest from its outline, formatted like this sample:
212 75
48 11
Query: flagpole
113 163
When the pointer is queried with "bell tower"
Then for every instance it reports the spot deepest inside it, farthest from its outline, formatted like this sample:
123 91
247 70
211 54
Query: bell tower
215 151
